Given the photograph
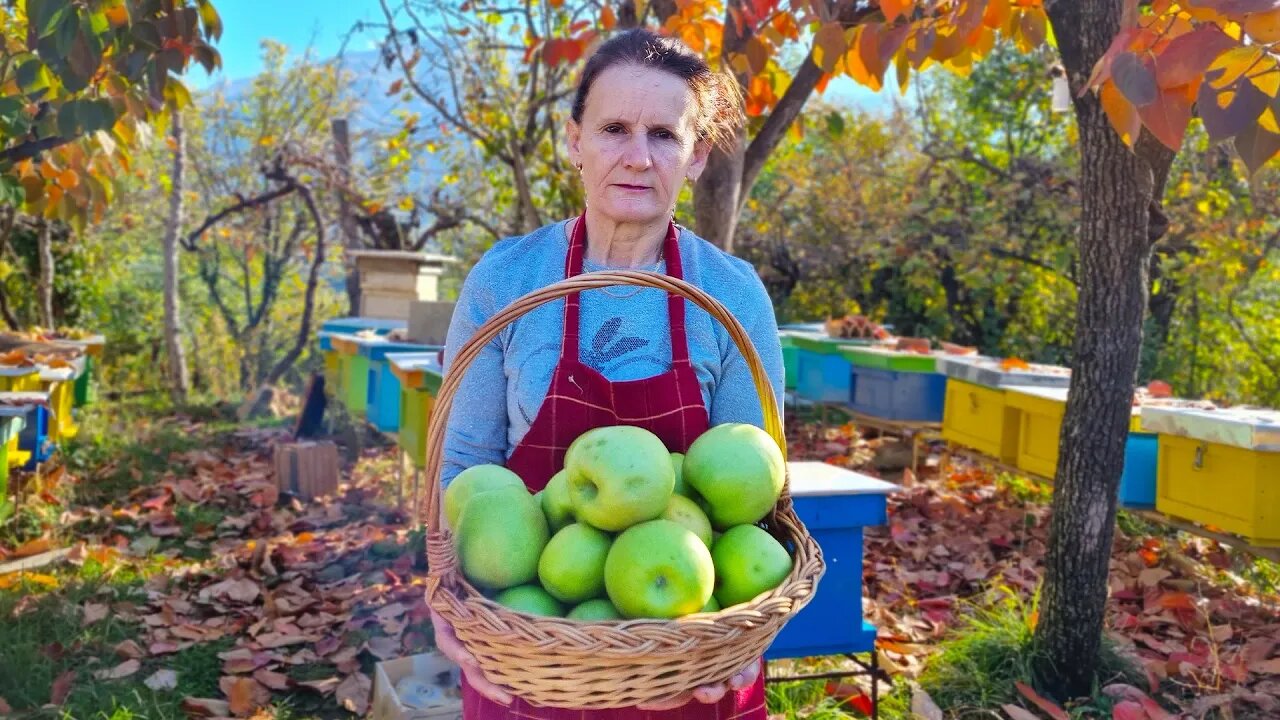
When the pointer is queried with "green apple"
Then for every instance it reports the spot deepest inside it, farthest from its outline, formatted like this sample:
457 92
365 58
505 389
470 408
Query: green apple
572 564
658 569
556 503
475 479
686 512
500 538
619 475
712 605
530 599
739 470
681 487
748 561
597 609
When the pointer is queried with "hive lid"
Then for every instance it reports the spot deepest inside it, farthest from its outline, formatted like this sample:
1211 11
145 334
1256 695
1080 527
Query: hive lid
1244 427
991 372
812 478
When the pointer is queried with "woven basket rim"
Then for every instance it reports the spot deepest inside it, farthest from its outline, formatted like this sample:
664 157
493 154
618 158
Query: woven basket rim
474 615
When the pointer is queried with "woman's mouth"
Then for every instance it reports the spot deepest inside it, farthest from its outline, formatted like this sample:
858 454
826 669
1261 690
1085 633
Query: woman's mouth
631 188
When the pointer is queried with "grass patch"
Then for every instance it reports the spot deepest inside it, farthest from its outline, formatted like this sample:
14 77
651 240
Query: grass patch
991 649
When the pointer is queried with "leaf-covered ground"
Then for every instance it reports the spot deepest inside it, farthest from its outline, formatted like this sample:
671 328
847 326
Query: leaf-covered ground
194 590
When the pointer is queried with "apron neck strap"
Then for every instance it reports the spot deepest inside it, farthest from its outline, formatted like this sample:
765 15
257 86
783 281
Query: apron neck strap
573 303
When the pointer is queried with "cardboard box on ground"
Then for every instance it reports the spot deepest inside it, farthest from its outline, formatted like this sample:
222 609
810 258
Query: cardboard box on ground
419 687
307 469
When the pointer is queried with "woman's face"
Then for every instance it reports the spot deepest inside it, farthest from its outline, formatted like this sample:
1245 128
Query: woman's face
637 143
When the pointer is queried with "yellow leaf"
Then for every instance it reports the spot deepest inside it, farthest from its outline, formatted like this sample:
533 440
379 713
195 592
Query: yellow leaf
266 140
1233 63
406 204
1123 115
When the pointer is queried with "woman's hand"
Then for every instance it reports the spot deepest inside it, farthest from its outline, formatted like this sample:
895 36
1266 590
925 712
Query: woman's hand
710 694
449 644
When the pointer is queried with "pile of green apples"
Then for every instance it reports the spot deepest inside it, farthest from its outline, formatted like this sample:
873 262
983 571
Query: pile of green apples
626 529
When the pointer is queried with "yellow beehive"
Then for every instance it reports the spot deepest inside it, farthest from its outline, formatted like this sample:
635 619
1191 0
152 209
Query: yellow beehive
1232 488
978 417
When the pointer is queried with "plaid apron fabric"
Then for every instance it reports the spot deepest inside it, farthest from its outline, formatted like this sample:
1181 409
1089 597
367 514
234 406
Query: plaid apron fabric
579 399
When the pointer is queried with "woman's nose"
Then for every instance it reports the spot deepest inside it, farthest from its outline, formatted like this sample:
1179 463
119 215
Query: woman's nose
636 155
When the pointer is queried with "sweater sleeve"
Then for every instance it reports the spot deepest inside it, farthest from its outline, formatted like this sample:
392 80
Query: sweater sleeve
735 398
476 432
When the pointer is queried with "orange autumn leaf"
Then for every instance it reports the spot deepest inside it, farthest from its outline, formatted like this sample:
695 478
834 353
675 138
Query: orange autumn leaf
607 18
1013 363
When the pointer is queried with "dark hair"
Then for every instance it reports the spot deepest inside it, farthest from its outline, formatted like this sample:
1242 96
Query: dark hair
718 95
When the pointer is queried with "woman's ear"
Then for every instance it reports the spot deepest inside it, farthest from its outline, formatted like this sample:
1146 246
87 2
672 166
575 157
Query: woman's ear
701 151
573 138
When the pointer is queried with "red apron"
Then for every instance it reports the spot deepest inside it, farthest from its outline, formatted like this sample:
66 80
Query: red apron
579 399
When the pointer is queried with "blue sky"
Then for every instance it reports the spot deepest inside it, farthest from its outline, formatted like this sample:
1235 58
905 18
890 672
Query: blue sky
296 23
324 24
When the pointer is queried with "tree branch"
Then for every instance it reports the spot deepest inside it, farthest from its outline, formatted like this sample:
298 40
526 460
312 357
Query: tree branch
30 149
189 242
792 102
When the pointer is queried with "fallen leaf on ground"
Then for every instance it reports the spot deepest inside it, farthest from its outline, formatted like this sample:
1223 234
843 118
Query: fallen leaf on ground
1049 707
353 693
93 612
162 680
244 695
205 707
4 706
33 547
61 687
1016 713
123 670
1128 710
272 679
130 650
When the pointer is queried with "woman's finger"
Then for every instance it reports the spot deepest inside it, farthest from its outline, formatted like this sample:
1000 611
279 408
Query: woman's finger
747 677
710 694
495 693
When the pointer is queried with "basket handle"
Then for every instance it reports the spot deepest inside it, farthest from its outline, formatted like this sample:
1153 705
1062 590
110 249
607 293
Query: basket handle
587 281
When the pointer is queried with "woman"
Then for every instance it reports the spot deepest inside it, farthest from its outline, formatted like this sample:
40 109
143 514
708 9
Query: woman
645 117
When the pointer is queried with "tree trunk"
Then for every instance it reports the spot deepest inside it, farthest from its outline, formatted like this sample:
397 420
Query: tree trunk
179 383
44 286
350 236
1117 189
717 197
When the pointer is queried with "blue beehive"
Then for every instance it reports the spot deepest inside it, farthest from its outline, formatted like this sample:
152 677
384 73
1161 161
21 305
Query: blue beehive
896 395
1138 483
835 504
353 325
383 407
35 437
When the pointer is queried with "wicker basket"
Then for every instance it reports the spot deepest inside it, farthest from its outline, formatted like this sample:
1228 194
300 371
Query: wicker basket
566 663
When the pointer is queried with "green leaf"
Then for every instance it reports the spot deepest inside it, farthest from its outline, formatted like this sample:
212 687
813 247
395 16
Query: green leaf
32 75
69 118
65 36
212 23
835 124
44 15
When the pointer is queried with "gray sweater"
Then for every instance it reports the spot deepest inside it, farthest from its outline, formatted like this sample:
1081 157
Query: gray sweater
624 338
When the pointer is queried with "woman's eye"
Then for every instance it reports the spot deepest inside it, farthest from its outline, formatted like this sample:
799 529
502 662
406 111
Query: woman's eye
663 134
613 128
